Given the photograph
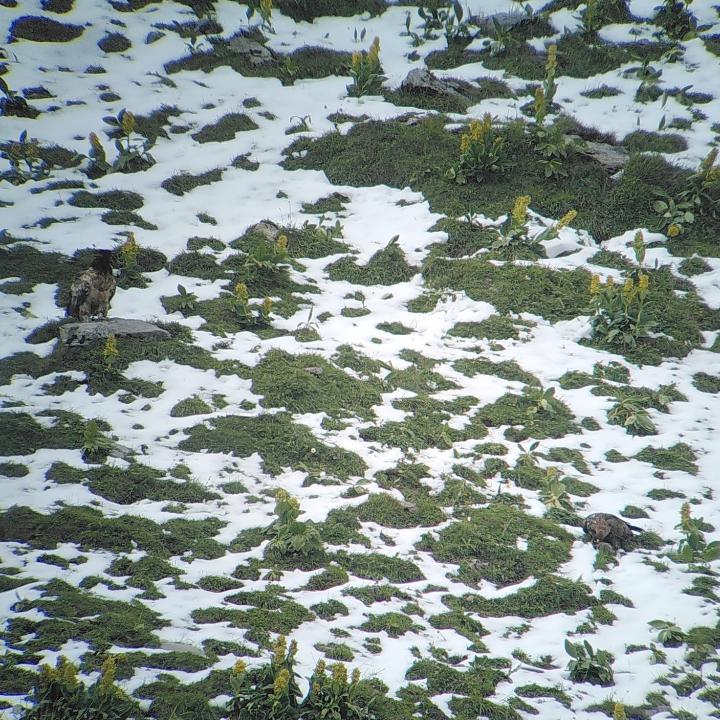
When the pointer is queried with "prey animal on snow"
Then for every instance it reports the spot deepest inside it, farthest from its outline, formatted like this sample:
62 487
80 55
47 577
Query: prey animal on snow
93 289
609 529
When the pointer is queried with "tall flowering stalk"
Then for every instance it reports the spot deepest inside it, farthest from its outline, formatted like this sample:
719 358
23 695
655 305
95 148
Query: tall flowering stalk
366 71
482 150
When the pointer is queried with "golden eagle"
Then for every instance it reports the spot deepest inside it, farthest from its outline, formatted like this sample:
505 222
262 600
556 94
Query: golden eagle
93 289
610 529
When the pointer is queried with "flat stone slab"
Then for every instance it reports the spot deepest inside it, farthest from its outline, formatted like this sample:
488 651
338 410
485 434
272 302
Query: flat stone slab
612 157
77 333
422 80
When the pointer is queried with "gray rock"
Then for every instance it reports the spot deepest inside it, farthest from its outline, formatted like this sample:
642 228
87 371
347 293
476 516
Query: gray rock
77 333
119 451
422 80
504 20
256 53
182 647
612 157
153 36
266 228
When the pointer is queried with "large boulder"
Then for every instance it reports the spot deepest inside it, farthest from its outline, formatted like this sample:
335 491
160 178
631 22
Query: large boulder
78 333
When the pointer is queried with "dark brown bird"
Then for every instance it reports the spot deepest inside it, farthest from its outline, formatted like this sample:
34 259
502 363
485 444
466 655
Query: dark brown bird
93 289
610 529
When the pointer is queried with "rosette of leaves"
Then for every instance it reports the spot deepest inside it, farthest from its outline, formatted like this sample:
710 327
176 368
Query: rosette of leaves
366 71
589 665
269 692
676 19
58 694
288 535
630 413
132 152
25 161
95 445
670 635
186 301
482 150
693 547
553 493
333 697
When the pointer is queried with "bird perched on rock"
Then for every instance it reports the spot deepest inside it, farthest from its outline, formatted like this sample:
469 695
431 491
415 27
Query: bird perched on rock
93 289
609 529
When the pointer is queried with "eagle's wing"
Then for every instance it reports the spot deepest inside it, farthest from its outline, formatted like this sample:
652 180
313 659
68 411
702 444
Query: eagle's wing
79 291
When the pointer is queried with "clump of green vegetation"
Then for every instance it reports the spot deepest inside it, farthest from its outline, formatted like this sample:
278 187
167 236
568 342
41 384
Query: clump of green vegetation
679 456
477 682
505 369
190 406
549 595
393 623
644 141
330 609
280 441
386 267
589 665
485 545
706 383
182 183
225 128
309 383
385 510
374 566
332 576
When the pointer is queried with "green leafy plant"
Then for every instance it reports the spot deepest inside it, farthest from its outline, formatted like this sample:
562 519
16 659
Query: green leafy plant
553 493
513 234
482 150
264 9
132 152
366 71
246 314
702 188
269 692
288 535
618 312
332 697
542 401
670 635
693 547
58 694
553 147
674 213
630 413
95 444
675 17
187 301
13 104
545 93
264 255
589 665
454 25
25 161
591 17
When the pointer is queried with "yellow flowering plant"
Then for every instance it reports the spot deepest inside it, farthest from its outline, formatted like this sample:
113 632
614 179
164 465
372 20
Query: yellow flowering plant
57 693
264 9
288 535
693 548
26 164
132 152
619 315
482 150
366 71
110 351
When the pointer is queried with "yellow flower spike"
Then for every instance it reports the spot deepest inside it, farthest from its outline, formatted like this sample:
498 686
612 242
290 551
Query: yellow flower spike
519 211
320 667
110 349
674 230
619 712
374 54
339 673
128 122
610 282
107 676
643 283
266 8
356 61
66 671
628 287
95 142
552 58
241 292
355 677
279 650
464 143
709 161
281 682
129 249
566 219
282 244
267 306
292 652
685 516
539 99
595 285
239 667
